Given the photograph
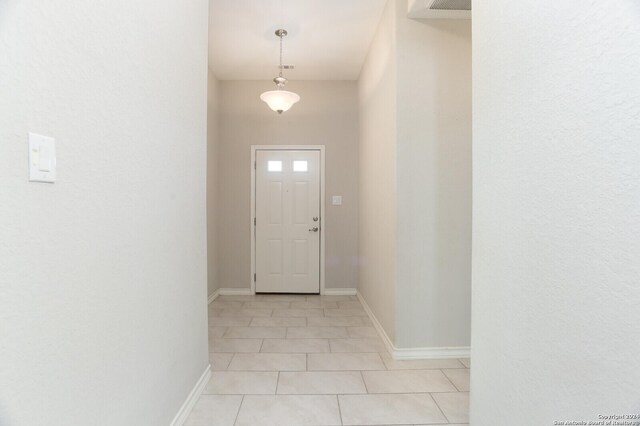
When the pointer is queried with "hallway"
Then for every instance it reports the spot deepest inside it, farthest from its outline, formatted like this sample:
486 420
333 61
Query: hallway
318 360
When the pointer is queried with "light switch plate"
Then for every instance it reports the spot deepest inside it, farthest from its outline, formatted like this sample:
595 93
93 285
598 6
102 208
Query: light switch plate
42 158
336 200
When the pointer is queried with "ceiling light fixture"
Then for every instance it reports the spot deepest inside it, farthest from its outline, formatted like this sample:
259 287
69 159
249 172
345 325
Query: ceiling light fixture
280 100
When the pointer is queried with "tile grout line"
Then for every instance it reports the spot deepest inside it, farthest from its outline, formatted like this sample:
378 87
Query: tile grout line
230 361
449 380
437 405
239 408
339 409
322 394
384 363
226 367
364 382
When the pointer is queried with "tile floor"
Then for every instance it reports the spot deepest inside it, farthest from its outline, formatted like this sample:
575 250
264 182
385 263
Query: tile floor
289 360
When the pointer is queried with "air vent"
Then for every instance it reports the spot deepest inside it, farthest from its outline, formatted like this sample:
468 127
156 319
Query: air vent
439 9
451 5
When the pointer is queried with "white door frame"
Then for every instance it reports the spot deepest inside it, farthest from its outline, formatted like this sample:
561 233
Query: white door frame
323 225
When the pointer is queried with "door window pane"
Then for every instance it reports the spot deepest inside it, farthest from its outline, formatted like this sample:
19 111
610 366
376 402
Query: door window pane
274 166
300 166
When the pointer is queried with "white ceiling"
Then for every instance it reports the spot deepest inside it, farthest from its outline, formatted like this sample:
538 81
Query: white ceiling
328 39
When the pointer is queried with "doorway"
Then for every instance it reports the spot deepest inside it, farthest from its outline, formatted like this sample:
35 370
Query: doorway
287 230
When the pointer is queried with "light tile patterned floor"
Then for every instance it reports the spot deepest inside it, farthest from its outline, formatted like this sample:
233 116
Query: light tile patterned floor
289 360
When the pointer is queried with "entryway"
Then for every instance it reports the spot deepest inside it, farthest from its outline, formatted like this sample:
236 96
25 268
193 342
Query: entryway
287 234
318 360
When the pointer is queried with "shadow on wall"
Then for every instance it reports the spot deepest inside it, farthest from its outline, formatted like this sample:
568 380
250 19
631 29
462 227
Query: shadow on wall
434 149
453 176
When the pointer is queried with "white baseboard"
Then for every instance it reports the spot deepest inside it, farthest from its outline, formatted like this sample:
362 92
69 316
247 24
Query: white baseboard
383 334
414 353
432 353
191 400
247 292
235 292
213 296
340 291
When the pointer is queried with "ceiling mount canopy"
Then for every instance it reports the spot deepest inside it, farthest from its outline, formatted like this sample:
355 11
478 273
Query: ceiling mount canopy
280 100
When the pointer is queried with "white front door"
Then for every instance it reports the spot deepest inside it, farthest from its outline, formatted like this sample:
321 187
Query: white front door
287 224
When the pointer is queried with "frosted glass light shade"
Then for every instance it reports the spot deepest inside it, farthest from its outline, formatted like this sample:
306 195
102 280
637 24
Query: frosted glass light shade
280 100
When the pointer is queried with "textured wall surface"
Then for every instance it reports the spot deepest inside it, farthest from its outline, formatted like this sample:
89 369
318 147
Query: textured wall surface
434 183
556 211
326 115
103 274
377 241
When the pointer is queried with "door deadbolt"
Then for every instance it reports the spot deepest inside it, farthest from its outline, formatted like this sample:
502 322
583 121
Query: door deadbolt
315 219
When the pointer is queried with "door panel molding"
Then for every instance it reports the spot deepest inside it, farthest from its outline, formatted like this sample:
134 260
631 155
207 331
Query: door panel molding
254 149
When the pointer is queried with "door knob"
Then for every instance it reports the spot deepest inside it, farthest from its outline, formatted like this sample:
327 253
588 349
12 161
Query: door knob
314 229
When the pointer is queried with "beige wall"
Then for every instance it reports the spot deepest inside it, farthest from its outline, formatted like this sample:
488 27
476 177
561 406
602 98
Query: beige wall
415 186
434 183
326 115
212 182
378 133
103 317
